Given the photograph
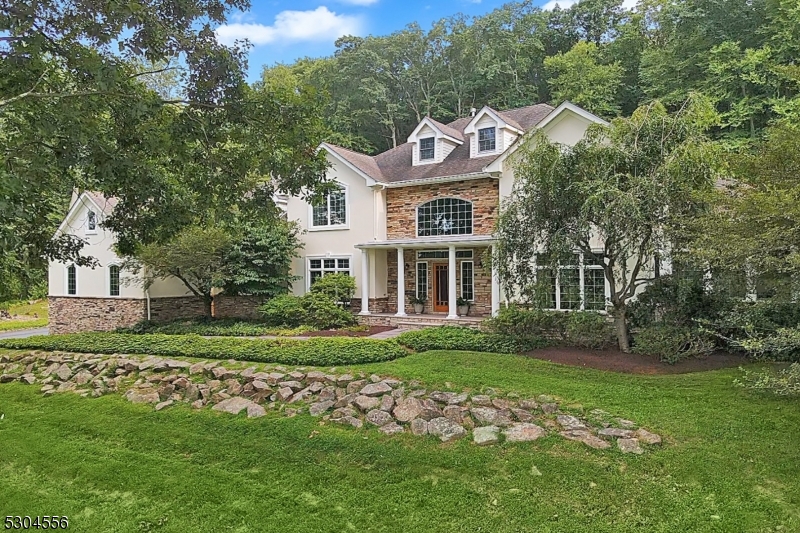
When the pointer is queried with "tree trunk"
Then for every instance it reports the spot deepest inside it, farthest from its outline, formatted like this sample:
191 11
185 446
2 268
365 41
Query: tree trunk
621 327
208 301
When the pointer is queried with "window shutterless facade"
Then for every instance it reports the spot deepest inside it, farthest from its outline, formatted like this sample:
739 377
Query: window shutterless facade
72 280
318 267
444 216
467 280
486 139
580 285
91 222
426 149
422 280
332 211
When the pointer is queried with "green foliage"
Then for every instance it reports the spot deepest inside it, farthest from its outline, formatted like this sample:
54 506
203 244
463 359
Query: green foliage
316 352
339 287
259 260
582 77
214 328
12 325
758 319
678 300
783 345
633 182
459 338
313 309
784 382
589 330
519 322
671 343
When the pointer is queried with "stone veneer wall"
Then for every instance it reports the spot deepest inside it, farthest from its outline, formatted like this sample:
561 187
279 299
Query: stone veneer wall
402 202
72 315
376 305
482 282
237 306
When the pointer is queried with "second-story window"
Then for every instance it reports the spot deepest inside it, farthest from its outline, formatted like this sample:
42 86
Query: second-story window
486 140
91 221
332 211
426 149
444 216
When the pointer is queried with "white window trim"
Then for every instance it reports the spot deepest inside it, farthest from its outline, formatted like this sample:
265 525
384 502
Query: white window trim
427 279
96 222
581 266
446 251
308 259
66 279
478 140
461 285
108 280
419 151
346 225
472 212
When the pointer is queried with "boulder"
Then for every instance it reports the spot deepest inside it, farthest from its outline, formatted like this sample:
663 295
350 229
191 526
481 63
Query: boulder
316 376
197 368
255 411
481 399
294 385
355 386
235 405
63 373
429 410
524 432
274 377
522 415
549 408
346 400
140 396
629 446
378 417
489 416
485 435
317 409
445 429
164 404
366 403
284 394
407 410
646 437
530 404
391 428
259 385
344 379
453 412
343 412
569 422
387 403
30 379
500 403
175 364
350 420
419 426
616 433
376 389
581 435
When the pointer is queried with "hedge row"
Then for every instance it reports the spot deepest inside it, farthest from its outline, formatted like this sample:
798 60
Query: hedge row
215 328
459 338
323 351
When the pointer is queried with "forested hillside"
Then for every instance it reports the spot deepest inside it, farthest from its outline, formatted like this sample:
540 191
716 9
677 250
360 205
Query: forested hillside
741 53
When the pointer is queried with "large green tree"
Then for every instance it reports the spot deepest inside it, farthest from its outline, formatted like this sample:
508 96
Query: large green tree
624 187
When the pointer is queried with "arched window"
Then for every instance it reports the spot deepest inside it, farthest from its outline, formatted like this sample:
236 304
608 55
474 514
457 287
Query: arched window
444 216
72 280
91 221
113 280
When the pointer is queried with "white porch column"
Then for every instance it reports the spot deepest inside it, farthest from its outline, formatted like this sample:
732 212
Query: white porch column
495 288
364 282
401 283
451 282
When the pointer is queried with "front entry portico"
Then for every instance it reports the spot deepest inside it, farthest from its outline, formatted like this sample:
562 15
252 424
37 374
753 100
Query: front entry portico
436 270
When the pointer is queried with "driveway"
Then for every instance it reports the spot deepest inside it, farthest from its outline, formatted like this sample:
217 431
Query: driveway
22 333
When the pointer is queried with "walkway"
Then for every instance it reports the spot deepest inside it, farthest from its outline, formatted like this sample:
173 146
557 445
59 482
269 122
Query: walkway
22 333
390 334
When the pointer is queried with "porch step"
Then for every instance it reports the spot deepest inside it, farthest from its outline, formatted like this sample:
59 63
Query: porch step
420 324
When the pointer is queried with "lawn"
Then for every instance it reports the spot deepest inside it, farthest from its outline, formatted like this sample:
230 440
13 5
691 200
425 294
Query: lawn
33 315
730 462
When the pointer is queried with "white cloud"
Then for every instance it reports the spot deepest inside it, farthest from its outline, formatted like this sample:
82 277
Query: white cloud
563 4
292 26
359 2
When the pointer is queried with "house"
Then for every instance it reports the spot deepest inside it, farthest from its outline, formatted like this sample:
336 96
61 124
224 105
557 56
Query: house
415 221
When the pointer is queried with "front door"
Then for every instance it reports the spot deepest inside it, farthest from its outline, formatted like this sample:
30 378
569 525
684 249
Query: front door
441 300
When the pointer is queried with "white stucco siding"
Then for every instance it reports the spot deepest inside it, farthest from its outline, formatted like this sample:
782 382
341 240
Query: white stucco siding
364 216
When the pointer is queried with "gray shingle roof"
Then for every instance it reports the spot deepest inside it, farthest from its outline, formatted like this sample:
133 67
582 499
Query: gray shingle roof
394 166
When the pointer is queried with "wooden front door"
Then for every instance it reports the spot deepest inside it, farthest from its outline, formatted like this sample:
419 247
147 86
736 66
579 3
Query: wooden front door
441 300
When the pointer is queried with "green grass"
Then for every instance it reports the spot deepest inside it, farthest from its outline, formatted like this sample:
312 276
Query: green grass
37 308
11 325
730 463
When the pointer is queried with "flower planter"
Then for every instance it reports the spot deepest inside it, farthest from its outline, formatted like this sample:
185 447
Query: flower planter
418 308
463 310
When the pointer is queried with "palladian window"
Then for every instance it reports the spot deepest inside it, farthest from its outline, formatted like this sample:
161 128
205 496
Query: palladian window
444 216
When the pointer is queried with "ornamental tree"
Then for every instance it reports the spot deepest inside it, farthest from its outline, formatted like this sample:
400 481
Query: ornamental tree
624 188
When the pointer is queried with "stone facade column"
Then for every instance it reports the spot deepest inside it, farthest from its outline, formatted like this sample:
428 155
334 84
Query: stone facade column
451 282
364 282
495 289
401 283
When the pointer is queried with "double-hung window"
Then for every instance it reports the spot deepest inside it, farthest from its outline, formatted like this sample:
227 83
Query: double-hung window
328 265
426 149
331 212
486 139
578 283
113 280
468 280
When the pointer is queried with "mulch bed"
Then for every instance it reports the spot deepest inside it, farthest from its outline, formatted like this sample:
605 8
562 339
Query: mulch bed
345 333
628 363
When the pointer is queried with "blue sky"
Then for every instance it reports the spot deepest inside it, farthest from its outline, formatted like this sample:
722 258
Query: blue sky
282 31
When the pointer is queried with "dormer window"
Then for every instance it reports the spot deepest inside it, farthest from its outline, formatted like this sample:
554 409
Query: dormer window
426 150
486 139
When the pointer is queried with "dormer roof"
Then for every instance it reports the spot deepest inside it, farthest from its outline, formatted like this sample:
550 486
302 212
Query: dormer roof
502 121
395 166
445 131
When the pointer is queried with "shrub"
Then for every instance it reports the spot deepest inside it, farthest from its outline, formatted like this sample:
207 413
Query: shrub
519 322
677 300
317 352
754 319
339 287
589 330
671 343
322 312
783 345
214 328
460 338
785 382
284 310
